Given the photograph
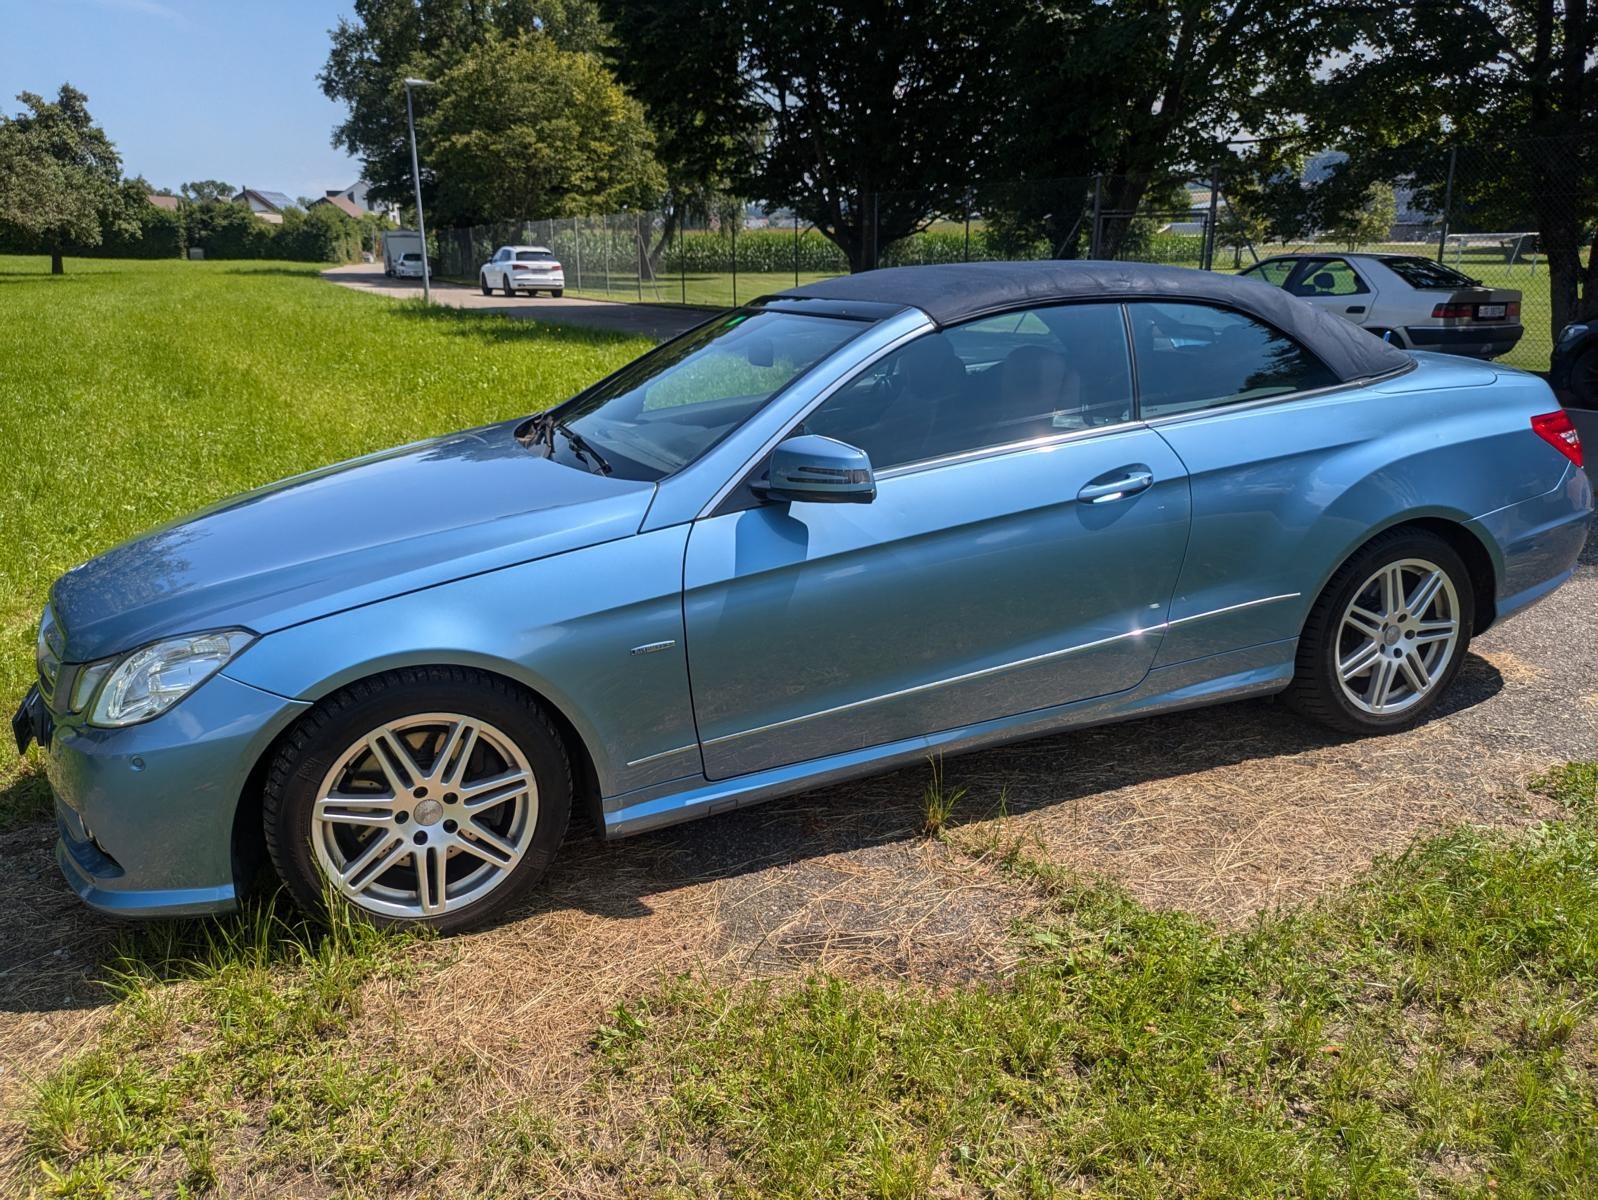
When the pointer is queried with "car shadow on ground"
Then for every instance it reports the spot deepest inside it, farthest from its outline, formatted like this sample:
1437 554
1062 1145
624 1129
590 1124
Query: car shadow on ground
53 950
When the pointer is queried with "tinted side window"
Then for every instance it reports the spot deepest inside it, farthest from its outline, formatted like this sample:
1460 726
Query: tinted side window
1192 356
990 382
1333 277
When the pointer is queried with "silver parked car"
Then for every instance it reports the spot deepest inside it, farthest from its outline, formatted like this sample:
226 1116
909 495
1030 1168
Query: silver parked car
1413 302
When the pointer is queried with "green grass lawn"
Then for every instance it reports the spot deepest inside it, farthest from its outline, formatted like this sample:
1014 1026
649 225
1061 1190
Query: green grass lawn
133 392
1428 1032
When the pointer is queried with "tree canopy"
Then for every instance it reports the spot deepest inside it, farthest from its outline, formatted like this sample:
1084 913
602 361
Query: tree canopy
521 126
59 176
1504 92
387 40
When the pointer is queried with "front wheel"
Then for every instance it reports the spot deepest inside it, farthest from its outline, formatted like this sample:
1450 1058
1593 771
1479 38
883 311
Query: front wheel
433 797
482 282
1387 635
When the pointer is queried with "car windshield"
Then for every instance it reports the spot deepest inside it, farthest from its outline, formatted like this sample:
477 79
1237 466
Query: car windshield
657 415
410 258
1426 275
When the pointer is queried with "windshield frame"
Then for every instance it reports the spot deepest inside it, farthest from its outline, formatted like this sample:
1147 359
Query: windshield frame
639 372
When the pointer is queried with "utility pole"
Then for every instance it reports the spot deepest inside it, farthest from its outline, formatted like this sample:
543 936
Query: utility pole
416 179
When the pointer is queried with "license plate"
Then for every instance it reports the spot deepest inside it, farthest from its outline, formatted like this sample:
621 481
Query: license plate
1489 312
31 722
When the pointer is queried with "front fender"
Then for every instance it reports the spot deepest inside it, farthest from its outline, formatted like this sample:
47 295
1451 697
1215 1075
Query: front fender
565 627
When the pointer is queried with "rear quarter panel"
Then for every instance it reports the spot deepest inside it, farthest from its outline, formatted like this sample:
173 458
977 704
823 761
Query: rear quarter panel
1284 493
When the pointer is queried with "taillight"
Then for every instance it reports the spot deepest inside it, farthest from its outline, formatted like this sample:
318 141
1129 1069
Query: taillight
1556 429
1512 308
1461 311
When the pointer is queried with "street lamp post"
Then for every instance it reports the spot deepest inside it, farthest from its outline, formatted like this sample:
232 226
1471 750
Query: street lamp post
416 178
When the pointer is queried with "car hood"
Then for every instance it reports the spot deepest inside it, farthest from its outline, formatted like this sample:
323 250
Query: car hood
343 536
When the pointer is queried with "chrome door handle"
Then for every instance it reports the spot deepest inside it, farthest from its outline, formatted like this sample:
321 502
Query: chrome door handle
1125 483
1355 308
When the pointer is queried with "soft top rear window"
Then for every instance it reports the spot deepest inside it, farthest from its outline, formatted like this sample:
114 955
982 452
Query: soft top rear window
1424 274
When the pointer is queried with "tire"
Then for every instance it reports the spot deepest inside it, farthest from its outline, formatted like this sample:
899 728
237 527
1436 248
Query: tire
482 282
505 281
1584 379
1344 655
558 293
496 846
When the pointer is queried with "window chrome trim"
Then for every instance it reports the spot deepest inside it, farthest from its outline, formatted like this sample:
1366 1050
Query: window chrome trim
984 672
1037 443
1286 397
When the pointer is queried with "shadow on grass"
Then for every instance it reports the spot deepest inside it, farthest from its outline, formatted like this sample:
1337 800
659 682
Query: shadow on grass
310 271
54 953
499 327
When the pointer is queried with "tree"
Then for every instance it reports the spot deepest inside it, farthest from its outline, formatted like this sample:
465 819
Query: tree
867 117
387 40
1141 93
523 128
208 191
1509 86
59 176
1371 222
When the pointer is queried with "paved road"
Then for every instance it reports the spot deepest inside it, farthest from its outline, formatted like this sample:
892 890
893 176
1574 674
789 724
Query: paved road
658 321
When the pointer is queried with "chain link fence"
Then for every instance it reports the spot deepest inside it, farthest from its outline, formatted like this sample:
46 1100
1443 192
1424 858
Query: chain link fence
1456 206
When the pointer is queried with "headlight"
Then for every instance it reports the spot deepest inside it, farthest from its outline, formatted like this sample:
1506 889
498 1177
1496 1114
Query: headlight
152 679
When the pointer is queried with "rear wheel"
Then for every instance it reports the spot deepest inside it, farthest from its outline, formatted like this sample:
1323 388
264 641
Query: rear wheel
430 797
1387 635
557 293
505 279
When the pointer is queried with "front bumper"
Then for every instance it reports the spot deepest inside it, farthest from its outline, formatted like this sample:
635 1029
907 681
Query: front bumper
145 814
1477 341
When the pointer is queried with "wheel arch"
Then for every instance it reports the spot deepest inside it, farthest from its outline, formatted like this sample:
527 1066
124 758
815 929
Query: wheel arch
249 838
1464 541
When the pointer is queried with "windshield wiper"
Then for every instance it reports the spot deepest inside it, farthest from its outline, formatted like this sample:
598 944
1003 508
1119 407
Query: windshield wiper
543 430
580 447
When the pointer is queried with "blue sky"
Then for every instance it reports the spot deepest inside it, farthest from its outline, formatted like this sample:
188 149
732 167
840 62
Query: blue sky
190 89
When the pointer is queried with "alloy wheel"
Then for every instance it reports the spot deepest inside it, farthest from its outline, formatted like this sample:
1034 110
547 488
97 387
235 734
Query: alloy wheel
1397 637
424 816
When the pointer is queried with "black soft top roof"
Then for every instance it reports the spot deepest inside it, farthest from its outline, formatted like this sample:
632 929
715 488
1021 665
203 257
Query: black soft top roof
960 291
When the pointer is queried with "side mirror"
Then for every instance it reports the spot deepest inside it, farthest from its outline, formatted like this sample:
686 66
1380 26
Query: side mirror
818 470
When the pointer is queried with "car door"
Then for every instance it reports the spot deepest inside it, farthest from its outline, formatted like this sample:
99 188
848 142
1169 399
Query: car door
1020 552
502 265
1332 284
1258 471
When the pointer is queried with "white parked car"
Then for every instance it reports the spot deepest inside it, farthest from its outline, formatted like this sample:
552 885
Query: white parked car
408 265
530 269
1414 302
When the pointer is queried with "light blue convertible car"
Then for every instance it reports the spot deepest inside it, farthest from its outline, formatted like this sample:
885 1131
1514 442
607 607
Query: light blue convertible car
847 526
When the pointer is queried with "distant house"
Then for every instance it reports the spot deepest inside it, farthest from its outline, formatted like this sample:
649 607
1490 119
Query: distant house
170 203
357 200
343 203
268 206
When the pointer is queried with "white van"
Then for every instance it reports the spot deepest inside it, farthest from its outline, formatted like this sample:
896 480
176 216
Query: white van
397 245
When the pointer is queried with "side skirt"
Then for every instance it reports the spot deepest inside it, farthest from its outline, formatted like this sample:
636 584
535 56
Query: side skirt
1234 675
